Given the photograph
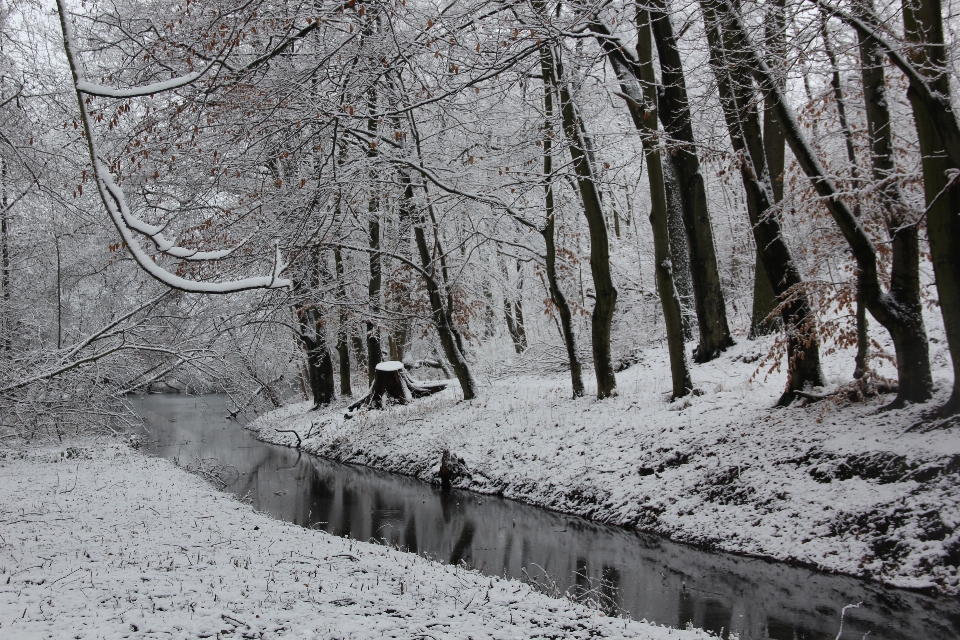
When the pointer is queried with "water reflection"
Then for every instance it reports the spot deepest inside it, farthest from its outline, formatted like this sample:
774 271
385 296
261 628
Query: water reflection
642 576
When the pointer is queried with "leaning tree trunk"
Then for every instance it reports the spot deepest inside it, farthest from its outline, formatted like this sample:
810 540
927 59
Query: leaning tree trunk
583 166
885 307
548 233
674 112
923 25
392 380
441 314
737 99
642 104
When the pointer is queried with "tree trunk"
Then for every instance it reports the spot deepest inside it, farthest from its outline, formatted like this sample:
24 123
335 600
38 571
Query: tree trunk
518 309
5 263
359 350
674 112
512 311
737 99
374 349
489 315
319 362
512 325
548 233
923 24
763 320
583 165
679 252
343 352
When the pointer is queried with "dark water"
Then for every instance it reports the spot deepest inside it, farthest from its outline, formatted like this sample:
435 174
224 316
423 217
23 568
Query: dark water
643 576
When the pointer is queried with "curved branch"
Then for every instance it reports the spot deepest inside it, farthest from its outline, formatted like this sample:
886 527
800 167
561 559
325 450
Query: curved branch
126 223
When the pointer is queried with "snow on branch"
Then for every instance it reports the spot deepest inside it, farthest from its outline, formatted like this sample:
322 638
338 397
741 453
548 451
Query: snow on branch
115 202
136 92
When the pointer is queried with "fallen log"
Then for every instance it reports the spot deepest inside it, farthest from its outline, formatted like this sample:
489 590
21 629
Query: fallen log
392 380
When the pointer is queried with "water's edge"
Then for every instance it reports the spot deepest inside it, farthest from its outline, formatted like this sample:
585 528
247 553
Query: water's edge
620 569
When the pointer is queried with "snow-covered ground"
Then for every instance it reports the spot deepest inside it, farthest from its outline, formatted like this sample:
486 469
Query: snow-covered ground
99 541
846 488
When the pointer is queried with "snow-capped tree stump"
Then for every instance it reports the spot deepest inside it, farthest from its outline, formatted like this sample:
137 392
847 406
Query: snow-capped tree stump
391 379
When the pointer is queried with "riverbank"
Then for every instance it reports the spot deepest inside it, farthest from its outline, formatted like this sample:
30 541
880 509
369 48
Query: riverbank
844 488
99 541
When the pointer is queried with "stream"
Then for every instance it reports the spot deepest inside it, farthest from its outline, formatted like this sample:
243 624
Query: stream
621 572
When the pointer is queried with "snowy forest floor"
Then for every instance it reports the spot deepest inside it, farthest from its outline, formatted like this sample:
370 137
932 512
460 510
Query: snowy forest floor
99 541
843 487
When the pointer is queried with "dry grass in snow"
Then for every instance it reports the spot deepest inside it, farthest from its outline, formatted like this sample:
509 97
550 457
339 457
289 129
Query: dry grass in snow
103 542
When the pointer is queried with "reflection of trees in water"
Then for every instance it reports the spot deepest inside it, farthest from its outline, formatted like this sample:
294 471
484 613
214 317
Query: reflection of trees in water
448 504
610 591
321 497
348 501
581 578
708 613
604 593
387 516
717 617
780 630
507 551
410 535
686 609
462 548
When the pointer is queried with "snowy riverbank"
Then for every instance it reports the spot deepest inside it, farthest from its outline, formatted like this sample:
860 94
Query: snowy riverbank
99 541
842 488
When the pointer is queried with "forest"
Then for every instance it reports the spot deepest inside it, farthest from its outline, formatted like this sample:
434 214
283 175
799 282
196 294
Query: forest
614 216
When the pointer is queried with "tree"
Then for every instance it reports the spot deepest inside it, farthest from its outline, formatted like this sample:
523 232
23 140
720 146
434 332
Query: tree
642 104
584 165
674 112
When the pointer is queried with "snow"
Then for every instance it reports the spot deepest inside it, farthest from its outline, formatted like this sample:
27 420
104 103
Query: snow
390 366
101 541
843 488
146 90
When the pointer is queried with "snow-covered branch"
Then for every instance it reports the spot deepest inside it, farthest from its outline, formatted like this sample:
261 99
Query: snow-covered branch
126 222
102 91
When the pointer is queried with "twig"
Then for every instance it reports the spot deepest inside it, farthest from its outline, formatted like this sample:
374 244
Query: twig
293 432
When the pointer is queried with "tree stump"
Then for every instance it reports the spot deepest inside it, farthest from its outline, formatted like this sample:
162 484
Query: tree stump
391 379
